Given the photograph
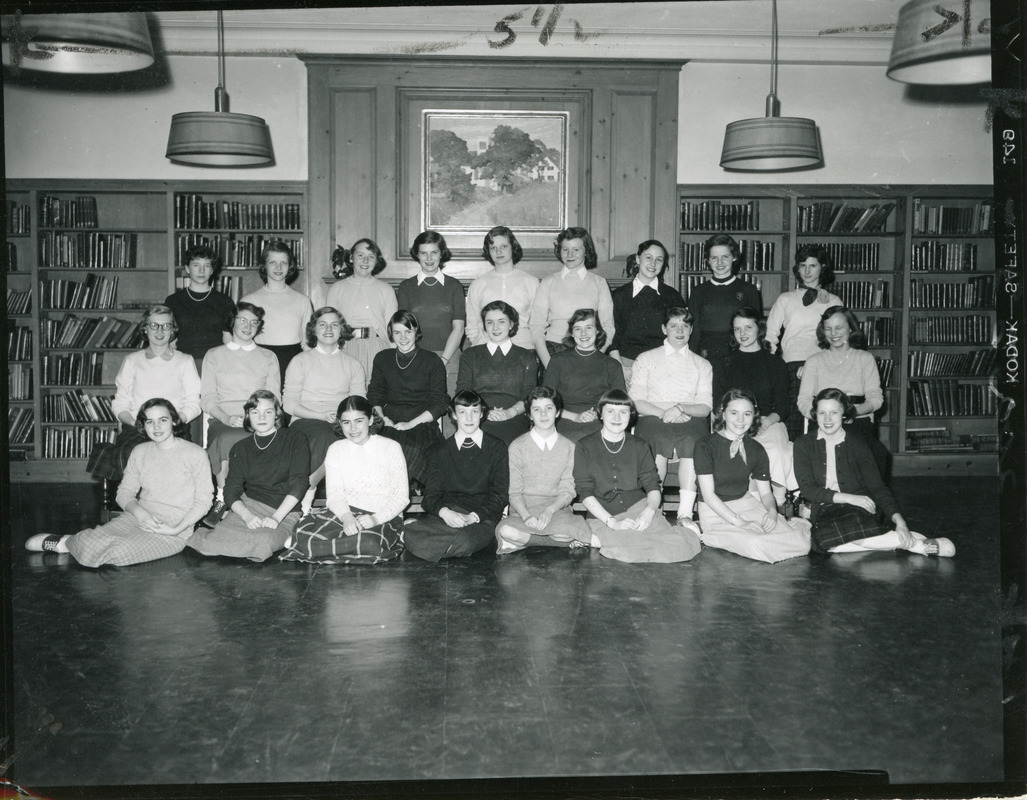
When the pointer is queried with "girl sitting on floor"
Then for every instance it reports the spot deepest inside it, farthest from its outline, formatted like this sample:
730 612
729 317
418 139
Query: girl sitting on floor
165 491
268 474
853 511
366 484
726 461
541 482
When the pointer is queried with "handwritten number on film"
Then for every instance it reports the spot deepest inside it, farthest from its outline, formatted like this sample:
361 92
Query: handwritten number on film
503 26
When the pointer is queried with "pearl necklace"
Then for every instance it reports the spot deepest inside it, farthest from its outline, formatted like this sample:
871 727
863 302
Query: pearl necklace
265 447
608 450
585 354
203 297
411 361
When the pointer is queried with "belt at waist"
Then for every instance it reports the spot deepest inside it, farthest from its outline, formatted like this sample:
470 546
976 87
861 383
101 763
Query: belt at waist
364 333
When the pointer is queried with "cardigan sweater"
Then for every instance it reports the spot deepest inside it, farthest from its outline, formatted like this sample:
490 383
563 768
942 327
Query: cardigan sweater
855 466
617 479
475 480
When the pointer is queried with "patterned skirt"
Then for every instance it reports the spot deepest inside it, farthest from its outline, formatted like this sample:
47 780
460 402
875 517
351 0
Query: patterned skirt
319 538
839 523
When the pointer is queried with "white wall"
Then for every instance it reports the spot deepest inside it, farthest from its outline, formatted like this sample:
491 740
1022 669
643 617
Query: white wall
63 134
872 129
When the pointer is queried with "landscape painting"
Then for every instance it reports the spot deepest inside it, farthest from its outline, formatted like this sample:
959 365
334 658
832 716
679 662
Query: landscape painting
487 168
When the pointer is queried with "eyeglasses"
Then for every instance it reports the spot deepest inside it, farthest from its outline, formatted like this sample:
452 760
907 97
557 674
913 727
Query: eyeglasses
247 323
160 326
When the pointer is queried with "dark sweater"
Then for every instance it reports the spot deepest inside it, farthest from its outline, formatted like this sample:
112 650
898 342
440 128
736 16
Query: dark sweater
856 468
638 320
435 306
619 479
500 380
712 304
269 475
474 480
201 323
404 393
763 374
582 380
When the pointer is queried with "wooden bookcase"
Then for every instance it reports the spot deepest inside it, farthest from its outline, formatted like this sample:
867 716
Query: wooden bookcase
916 264
92 255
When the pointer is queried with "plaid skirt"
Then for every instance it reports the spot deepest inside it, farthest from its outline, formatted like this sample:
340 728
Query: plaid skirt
319 538
417 443
839 523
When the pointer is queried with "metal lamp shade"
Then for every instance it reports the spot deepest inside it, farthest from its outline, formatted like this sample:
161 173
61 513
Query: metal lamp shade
935 49
219 139
78 43
771 144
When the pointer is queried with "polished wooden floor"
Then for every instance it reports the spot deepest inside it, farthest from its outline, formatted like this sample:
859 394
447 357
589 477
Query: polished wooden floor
540 663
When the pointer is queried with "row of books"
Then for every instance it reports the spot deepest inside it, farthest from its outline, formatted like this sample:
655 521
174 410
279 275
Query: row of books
943 256
229 285
109 333
880 331
978 292
75 442
19 382
19 302
236 251
973 329
860 256
886 368
192 211
96 291
19 425
87 250
686 283
950 398
714 215
79 212
863 294
19 343
11 265
926 440
18 218
974 364
73 369
77 406
958 220
755 255
828 217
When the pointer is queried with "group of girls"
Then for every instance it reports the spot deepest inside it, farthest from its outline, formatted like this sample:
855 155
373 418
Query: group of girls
381 368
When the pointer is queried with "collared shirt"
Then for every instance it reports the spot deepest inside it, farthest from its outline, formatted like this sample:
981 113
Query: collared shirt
579 273
320 348
438 276
547 443
246 347
832 463
638 285
477 437
670 350
167 355
504 346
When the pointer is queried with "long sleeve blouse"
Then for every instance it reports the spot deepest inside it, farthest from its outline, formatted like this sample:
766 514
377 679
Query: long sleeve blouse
231 376
560 295
371 477
141 378
618 479
271 472
667 376
404 393
855 467
320 382
172 484
855 374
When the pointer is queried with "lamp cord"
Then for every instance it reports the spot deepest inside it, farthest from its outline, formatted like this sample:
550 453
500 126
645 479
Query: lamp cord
773 47
221 49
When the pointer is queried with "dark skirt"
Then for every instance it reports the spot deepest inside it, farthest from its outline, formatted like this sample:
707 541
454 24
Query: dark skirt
794 422
284 353
417 443
319 538
670 439
840 523
508 429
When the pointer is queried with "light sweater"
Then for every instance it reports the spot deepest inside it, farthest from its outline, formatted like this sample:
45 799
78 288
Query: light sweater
285 315
537 476
664 375
799 340
171 484
856 374
516 288
364 305
560 295
371 477
141 378
231 376
320 382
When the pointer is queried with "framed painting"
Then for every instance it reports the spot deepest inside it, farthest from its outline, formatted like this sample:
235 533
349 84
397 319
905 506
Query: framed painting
480 169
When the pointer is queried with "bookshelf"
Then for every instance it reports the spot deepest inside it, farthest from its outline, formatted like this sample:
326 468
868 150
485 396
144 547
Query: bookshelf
916 264
84 258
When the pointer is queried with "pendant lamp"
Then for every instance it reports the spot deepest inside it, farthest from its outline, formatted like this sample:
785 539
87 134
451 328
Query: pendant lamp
85 44
219 138
772 143
937 45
